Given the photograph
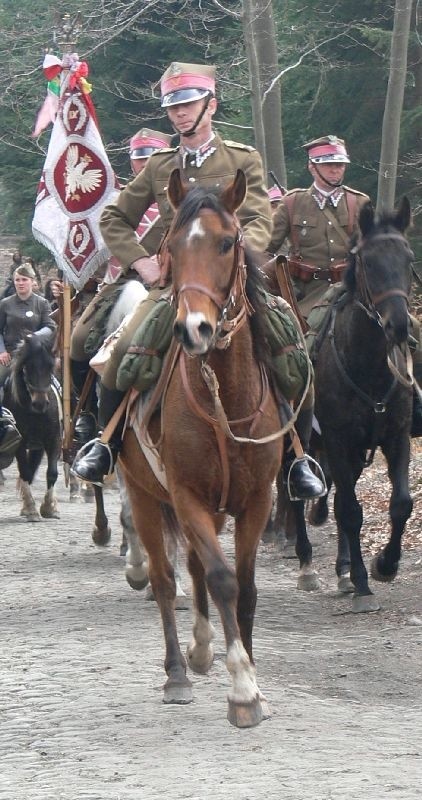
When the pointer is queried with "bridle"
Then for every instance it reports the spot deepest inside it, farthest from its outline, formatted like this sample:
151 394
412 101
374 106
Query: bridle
226 327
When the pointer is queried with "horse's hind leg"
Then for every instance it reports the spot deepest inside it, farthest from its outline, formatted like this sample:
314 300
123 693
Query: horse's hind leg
308 578
101 532
384 565
147 520
200 653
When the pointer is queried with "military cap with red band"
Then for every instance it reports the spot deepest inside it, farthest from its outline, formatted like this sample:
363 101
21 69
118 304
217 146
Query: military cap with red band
146 141
185 83
327 150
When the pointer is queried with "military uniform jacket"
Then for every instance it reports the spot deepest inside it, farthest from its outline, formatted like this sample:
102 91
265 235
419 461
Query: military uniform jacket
120 220
321 245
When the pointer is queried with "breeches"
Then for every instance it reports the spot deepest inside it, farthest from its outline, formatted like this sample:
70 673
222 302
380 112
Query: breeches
86 322
125 339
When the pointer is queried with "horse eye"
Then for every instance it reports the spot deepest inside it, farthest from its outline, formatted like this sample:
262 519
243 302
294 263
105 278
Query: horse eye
226 245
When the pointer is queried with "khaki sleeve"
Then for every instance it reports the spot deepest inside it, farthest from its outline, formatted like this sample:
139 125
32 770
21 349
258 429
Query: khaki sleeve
281 227
255 211
120 220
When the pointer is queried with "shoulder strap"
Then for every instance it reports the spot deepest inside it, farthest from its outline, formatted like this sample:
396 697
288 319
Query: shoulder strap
289 201
351 201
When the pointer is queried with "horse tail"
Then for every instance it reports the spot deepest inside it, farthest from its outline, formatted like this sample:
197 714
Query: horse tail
171 524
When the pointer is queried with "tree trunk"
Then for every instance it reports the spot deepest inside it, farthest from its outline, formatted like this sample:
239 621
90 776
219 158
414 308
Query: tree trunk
265 36
254 80
387 174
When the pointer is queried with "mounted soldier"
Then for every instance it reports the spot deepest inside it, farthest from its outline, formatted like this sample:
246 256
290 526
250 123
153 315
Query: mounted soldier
188 95
89 332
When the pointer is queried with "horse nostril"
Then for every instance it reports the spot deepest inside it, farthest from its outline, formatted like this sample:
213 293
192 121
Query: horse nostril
178 330
205 330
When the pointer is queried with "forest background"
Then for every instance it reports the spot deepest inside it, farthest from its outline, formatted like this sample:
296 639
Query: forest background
323 69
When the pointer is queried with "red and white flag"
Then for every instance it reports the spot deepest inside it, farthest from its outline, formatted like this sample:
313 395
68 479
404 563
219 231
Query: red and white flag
77 180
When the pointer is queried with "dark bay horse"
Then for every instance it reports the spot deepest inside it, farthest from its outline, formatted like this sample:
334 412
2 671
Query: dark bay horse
34 403
364 392
220 443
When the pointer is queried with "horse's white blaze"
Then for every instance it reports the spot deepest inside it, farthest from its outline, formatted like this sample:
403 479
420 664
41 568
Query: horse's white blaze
245 689
196 230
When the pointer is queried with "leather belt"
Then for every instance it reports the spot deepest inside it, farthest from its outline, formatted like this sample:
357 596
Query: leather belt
307 272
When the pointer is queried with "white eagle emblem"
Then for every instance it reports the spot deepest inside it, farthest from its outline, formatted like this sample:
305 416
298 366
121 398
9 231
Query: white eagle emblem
77 176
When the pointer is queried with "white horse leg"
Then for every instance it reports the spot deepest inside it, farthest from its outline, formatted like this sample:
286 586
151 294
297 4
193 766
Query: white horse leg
136 558
29 509
49 508
245 709
182 602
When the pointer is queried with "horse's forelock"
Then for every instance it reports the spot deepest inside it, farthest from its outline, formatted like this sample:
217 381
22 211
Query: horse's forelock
196 200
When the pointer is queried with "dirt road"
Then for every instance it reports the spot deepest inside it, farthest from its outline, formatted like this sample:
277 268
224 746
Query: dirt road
81 716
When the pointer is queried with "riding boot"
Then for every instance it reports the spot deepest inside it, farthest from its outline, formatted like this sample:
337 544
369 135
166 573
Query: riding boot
86 424
10 437
301 481
95 463
416 429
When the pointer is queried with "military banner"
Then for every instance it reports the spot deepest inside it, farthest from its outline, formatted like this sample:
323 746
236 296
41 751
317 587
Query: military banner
77 180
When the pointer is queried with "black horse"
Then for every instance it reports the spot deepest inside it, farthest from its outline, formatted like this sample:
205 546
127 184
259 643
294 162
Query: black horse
34 403
364 392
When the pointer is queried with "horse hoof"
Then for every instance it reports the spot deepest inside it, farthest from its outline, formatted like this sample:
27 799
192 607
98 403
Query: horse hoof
345 585
308 582
49 513
245 715
363 603
123 549
137 577
178 693
149 594
31 516
102 536
381 576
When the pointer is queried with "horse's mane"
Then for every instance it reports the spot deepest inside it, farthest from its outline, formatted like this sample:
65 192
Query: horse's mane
385 223
199 198
31 350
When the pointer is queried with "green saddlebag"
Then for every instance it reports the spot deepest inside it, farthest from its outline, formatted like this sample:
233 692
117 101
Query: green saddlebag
98 330
141 365
319 316
290 362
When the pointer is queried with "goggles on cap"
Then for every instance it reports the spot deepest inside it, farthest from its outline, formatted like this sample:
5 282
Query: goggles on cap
142 152
328 154
184 96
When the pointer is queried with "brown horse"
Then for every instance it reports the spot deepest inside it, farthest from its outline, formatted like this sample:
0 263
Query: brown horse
220 443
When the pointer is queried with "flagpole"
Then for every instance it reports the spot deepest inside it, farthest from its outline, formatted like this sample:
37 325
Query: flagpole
68 35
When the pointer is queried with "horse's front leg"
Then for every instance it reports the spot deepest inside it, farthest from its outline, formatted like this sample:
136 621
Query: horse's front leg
308 577
349 517
49 508
200 528
29 509
384 566
101 532
200 652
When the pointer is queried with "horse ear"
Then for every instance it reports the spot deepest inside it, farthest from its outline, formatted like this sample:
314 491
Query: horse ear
403 215
366 218
233 196
177 189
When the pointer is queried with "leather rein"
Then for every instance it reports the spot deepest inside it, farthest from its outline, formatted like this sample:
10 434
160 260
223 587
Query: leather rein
368 303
